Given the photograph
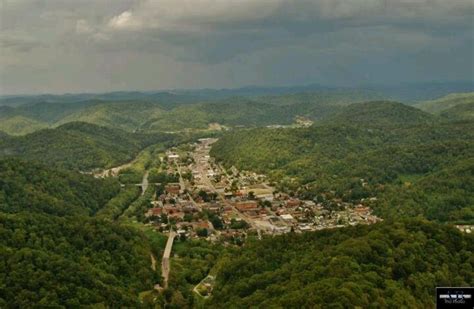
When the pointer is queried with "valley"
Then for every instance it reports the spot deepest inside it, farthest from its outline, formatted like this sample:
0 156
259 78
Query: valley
210 154
205 218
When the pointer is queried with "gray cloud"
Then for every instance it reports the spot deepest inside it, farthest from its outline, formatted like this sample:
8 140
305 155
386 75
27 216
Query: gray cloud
214 31
145 44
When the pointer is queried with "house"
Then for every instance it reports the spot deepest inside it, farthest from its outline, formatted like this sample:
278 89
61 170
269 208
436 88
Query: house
293 203
154 212
173 156
361 210
156 203
176 216
173 188
246 206
201 225
265 196
287 217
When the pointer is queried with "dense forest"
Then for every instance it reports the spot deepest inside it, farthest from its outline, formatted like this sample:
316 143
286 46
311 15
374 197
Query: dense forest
439 105
71 262
385 153
31 187
54 251
459 112
391 265
79 145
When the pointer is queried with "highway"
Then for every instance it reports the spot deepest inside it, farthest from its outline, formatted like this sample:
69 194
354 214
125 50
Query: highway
165 262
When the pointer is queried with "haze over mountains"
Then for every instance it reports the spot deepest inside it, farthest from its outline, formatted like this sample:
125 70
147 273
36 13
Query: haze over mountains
165 111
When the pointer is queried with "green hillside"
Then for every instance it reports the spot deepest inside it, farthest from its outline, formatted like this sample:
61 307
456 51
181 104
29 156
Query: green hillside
253 112
157 114
387 265
446 194
332 160
54 255
46 112
463 111
127 116
232 112
320 105
27 186
20 125
446 102
380 113
80 146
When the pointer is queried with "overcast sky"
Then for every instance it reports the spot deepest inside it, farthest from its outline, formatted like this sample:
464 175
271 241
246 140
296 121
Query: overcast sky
102 45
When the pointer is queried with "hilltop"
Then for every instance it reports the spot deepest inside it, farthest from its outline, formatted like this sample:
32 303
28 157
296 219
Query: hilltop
125 115
153 113
20 125
449 101
381 113
79 145
197 110
463 111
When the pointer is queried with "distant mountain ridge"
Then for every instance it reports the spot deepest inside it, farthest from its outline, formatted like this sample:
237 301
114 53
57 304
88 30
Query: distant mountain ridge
401 92
165 116
459 112
198 109
381 113
441 104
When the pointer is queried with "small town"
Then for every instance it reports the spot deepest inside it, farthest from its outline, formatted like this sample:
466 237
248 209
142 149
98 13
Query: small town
200 198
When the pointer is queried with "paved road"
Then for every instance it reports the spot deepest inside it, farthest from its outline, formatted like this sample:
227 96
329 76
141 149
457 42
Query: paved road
144 184
182 184
165 262
114 171
205 180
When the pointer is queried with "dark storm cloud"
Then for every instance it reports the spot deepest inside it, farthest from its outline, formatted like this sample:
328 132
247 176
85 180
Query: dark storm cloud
161 44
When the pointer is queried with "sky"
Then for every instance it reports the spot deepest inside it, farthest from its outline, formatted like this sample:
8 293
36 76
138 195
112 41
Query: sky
61 46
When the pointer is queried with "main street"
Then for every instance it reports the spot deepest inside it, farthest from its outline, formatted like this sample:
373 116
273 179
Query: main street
201 160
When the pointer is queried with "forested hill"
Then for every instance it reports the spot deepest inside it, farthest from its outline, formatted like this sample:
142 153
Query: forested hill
53 254
331 160
148 114
127 115
170 115
33 188
459 112
80 146
387 265
441 104
381 113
